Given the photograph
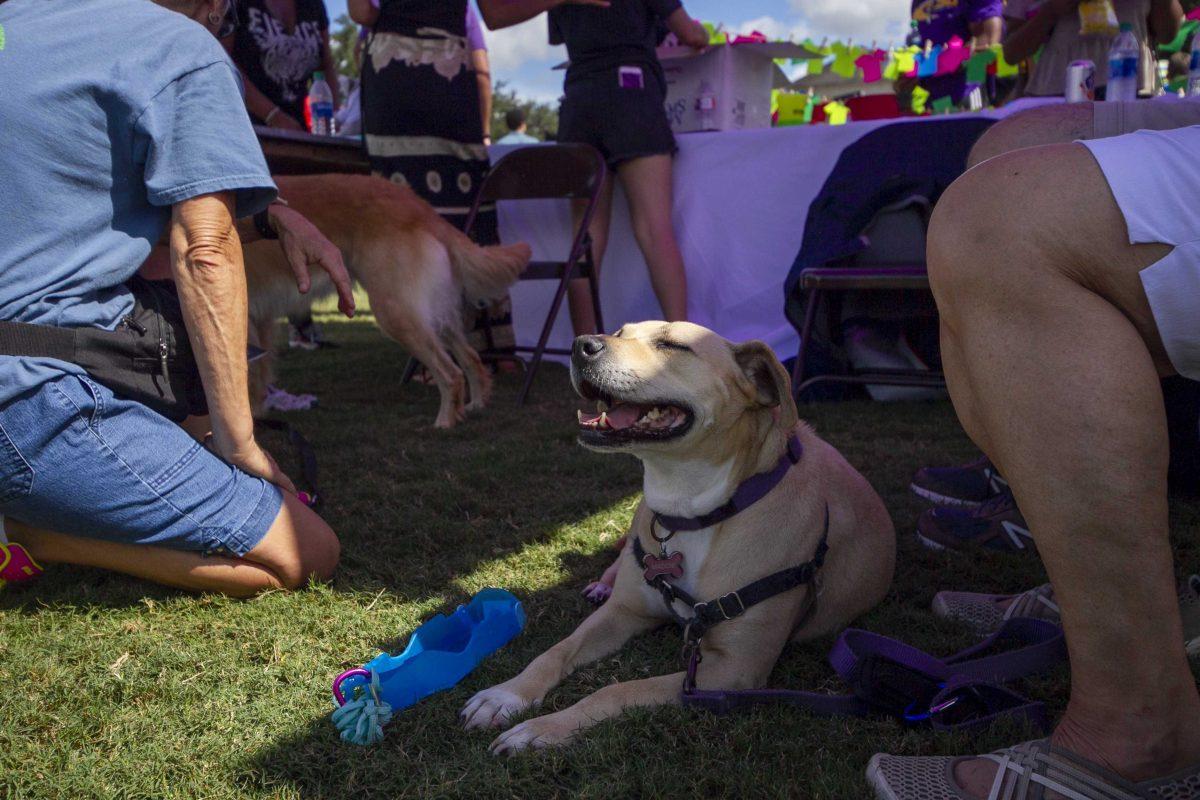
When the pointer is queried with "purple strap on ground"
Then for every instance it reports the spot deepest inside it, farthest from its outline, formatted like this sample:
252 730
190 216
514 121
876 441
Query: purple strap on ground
968 693
749 492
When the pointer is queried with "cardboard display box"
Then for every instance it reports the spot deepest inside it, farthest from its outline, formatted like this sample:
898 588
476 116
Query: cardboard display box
725 88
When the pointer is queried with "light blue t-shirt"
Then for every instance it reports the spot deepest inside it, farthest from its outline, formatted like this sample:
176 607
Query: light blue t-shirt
513 137
110 112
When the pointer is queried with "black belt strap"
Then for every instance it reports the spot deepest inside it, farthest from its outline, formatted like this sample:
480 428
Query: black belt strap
37 341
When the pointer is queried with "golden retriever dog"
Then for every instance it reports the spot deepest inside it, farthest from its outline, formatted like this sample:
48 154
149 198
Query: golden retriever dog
416 269
703 415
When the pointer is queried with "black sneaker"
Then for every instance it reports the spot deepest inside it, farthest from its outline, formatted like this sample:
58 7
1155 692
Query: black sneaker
995 525
964 487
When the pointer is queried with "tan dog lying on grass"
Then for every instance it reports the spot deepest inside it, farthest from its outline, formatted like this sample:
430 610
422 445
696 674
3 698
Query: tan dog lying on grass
415 267
704 415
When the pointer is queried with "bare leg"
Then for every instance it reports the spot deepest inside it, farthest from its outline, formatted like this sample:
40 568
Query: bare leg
298 545
1053 360
1057 124
603 632
579 293
647 183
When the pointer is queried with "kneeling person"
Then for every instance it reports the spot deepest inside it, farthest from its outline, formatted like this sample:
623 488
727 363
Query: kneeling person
86 476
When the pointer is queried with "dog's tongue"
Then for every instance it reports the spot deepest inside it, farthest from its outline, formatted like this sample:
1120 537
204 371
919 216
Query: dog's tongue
623 415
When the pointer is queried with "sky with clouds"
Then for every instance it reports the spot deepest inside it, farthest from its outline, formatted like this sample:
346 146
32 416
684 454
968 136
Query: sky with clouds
522 57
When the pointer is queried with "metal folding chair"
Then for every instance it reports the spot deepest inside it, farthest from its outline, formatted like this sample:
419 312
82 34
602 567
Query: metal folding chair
893 261
548 172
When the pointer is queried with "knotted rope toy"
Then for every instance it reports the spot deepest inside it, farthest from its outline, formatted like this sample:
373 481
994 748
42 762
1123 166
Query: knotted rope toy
360 720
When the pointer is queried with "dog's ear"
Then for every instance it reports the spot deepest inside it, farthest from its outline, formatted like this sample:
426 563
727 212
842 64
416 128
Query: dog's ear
772 384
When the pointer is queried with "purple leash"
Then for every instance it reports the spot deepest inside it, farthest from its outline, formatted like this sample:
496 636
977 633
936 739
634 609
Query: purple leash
891 678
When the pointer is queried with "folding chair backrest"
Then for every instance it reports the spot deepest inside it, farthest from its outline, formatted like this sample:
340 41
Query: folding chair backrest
896 235
545 172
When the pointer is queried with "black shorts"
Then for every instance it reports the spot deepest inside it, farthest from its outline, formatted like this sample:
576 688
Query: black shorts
622 123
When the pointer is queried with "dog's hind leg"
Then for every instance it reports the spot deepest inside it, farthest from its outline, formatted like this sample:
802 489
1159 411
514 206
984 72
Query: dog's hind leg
479 380
451 384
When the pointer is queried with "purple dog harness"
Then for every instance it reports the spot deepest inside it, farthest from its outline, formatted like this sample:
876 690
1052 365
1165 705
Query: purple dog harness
888 677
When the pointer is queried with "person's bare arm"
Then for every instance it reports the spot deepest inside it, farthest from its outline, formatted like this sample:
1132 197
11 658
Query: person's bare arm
1166 16
1026 36
258 103
689 31
364 12
304 247
330 69
206 263
987 32
483 74
504 13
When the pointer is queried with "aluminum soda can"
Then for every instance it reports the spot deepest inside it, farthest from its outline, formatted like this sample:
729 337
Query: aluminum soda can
1081 82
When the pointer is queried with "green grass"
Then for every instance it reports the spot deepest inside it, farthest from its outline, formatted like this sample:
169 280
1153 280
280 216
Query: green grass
114 688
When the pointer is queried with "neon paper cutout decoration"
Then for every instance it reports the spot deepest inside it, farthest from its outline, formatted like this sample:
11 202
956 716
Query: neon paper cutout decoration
843 59
953 56
836 113
977 66
871 65
920 96
1003 68
942 105
927 63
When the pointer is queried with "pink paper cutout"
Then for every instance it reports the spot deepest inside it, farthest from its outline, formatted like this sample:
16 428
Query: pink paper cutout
871 65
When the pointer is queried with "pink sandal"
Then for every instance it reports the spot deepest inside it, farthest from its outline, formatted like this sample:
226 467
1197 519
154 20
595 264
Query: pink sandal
16 565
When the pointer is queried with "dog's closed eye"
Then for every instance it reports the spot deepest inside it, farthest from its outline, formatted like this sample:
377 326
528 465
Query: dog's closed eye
667 344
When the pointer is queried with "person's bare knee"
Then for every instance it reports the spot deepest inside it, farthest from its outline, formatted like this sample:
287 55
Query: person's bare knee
1037 126
299 546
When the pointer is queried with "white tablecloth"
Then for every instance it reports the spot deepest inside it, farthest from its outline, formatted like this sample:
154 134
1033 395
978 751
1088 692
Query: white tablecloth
741 200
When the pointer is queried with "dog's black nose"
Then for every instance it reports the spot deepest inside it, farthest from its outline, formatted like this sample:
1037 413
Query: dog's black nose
588 347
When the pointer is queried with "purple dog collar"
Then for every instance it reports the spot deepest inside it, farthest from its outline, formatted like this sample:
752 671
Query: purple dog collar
749 492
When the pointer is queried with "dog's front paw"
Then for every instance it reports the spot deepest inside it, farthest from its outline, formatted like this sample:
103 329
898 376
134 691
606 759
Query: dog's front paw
551 730
493 708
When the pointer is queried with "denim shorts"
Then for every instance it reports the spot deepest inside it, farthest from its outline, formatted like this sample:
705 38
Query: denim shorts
77 460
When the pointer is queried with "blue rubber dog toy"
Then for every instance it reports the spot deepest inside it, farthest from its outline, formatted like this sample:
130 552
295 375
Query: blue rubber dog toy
439 654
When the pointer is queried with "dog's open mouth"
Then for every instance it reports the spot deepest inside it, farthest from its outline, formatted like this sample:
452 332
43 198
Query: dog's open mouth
617 421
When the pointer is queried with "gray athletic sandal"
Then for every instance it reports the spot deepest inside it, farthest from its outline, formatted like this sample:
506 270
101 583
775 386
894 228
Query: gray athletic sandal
985 613
1031 771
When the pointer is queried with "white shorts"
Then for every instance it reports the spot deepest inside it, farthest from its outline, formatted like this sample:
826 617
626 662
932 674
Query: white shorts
1155 178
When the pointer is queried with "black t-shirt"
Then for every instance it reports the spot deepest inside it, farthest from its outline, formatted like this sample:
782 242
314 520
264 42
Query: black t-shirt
602 39
280 64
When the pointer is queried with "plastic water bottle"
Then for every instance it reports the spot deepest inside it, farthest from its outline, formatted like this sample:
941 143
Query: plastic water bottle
1123 58
1193 87
320 98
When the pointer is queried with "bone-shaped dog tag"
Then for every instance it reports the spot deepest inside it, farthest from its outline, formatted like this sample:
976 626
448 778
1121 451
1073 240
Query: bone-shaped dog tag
671 566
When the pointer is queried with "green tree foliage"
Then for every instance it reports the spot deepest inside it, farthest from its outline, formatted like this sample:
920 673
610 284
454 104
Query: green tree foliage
343 38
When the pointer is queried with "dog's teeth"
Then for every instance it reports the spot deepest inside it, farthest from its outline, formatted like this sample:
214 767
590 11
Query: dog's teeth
578 415
653 414
603 423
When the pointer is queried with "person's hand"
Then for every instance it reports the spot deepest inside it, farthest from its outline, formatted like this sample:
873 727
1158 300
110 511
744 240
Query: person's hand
253 460
285 122
304 246
695 36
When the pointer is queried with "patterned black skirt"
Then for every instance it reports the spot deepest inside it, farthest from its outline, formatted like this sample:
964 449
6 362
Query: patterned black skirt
423 129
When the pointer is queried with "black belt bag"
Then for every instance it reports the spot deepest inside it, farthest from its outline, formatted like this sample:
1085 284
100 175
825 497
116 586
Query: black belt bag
147 358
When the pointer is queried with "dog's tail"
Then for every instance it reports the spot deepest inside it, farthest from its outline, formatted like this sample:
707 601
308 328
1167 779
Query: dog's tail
487 272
